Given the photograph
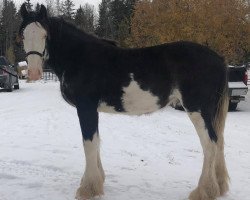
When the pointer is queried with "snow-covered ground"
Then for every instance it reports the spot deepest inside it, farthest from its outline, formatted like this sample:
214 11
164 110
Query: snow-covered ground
149 157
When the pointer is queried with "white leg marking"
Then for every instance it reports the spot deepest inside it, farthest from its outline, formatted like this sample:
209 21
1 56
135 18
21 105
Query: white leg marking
220 167
208 188
92 180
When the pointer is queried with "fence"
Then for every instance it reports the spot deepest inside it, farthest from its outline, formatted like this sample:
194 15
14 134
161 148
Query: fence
48 74
248 82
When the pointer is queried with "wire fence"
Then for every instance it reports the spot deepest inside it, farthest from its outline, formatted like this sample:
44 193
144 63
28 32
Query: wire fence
49 75
248 81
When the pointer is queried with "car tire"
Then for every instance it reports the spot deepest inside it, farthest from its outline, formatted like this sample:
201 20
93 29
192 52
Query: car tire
232 106
16 87
10 86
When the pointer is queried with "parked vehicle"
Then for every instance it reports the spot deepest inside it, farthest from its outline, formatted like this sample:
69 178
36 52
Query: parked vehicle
237 83
22 70
8 75
238 89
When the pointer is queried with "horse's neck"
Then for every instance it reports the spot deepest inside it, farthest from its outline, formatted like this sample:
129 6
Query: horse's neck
61 45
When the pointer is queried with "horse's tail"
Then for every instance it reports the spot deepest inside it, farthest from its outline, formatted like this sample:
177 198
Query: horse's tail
221 111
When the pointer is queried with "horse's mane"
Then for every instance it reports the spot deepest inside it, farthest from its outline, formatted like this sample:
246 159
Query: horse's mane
58 24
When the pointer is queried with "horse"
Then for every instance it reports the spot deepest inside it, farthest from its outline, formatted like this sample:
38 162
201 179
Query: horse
98 76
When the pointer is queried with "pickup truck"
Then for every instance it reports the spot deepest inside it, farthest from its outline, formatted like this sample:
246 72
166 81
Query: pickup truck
8 75
237 83
238 89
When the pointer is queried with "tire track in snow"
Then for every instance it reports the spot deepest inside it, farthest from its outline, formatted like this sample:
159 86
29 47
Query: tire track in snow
22 169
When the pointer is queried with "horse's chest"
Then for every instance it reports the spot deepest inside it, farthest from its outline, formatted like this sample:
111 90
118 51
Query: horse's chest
134 101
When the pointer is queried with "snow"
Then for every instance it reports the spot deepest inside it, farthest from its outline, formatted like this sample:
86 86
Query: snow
237 85
22 64
155 156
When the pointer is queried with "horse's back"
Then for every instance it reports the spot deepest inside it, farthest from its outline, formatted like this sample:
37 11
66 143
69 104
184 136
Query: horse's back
145 80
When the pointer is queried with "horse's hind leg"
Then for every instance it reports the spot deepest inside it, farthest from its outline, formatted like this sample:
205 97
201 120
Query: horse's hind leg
220 167
208 188
220 164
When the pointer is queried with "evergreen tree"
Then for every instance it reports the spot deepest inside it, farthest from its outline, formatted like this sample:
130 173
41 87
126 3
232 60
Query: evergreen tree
68 10
118 14
104 26
8 25
84 18
37 8
115 19
58 8
80 19
10 21
89 16
50 7
29 5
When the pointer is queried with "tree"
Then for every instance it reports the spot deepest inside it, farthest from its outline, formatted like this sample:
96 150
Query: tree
8 25
117 13
115 19
28 5
68 10
10 55
50 7
80 20
84 18
58 8
10 21
104 26
37 8
222 25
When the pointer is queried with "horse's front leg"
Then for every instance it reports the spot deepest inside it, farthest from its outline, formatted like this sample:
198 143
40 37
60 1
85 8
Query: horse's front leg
93 178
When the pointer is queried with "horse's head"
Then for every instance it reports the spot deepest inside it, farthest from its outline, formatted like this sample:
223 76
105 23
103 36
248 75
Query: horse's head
34 33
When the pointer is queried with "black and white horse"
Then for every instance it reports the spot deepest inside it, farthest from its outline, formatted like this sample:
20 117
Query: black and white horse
97 76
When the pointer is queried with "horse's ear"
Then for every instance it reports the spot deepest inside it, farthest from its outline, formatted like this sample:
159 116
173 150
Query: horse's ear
23 11
43 12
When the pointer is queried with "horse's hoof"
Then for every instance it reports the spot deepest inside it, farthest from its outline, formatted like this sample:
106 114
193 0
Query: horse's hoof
90 187
202 194
87 195
224 187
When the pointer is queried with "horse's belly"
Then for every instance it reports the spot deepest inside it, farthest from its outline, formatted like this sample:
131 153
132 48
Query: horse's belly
135 101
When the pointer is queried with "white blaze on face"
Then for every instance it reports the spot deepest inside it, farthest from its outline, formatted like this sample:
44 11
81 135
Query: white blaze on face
34 40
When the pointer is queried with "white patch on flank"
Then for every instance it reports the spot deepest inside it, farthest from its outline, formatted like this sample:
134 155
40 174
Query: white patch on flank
137 101
103 107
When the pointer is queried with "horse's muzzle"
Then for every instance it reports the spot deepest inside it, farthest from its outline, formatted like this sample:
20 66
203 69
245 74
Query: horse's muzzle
34 74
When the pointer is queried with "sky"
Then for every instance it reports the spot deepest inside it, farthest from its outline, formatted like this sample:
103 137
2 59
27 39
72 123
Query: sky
76 2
